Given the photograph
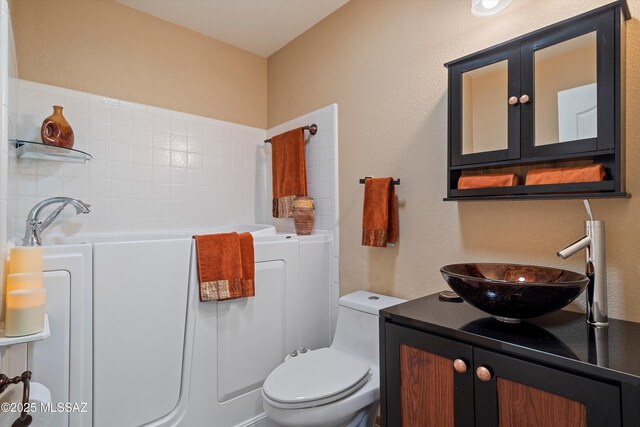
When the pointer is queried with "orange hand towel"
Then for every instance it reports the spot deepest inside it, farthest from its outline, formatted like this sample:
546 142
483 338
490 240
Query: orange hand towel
589 173
380 213
289 171
248 266
222 266
489 180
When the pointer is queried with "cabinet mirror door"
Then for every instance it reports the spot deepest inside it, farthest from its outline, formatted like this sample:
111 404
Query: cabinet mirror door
567 94
484 105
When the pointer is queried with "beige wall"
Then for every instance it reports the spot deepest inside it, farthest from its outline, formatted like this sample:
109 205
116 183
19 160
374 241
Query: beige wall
381 61
103 47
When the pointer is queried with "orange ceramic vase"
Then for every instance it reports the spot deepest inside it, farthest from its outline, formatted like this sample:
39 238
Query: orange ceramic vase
56 130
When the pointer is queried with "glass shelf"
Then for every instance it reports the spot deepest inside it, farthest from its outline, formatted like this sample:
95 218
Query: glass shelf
5 341
40 151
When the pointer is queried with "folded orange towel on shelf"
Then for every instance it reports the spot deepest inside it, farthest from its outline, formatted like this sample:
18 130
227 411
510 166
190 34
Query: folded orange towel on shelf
488 180
289 171
380 213
225 266
589 173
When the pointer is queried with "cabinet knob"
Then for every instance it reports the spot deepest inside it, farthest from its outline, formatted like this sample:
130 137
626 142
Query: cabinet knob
460 366
513 100
524 99
483 373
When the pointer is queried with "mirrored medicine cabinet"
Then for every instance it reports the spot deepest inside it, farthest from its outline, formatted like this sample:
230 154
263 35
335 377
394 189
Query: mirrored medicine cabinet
551 98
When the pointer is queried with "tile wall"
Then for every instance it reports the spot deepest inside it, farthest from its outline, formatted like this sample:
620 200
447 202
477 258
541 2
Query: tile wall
8 69
152 169
321 153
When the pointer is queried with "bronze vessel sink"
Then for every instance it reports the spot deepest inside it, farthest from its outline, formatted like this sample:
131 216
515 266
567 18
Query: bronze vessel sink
511 292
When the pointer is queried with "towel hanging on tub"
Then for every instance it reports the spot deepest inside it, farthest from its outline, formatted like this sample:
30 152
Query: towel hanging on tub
225 266
289 171
380 213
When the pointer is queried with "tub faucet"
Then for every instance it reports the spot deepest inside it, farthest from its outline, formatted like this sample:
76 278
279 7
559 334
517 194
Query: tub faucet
35 226
596 269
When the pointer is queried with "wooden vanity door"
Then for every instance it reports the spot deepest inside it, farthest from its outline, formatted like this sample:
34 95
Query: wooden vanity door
513 393
423 389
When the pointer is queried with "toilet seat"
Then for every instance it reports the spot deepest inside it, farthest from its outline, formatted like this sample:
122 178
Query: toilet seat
315 378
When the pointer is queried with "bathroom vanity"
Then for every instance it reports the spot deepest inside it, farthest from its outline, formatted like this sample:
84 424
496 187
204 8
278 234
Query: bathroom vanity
450 364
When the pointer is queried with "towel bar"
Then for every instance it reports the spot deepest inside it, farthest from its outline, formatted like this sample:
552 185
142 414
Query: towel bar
313 129
393 182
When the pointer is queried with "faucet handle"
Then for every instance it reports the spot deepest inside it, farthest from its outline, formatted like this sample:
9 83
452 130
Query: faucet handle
587 206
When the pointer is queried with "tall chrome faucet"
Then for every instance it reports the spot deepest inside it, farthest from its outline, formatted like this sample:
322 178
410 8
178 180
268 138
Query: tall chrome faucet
596 269
35 226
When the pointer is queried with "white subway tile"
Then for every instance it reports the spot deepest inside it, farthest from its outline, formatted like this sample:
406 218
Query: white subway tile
120 152
179 176
178 142
121 116
99 112
100 151
100 188
195 145
121 171
161 157
160 191
141 137
142 172
121 134
161 123
195 128
75 108
161 173
100 169
161 140
142 120
77 188
50 186
179 125
195 161
179 159
121 189
99 131
46 169
142 155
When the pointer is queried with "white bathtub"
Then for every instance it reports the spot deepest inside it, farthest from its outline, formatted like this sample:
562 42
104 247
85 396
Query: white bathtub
255 229
162 358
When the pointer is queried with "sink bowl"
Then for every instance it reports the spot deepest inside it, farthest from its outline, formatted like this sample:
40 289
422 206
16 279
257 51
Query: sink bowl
511 292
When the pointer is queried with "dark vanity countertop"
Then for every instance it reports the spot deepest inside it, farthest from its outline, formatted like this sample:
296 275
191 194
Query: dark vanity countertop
561 339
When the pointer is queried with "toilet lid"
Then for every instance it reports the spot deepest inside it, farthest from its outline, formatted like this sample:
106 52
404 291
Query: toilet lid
315 378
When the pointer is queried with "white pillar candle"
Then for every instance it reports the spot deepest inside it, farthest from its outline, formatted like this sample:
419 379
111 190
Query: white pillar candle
20 281
25 312
25 259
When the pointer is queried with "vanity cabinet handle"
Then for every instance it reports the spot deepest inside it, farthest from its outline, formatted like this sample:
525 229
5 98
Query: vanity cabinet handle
483 373
524 99
513 100
460 366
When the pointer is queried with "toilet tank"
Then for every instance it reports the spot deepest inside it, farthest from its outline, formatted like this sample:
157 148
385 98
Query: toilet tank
357 326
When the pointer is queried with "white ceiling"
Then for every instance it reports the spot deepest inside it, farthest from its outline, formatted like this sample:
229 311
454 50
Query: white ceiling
259 26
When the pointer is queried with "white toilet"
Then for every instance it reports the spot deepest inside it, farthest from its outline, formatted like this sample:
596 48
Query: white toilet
336 386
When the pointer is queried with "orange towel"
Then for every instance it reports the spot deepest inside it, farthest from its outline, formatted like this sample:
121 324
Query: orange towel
489 180
589 173
289 171
380 213
225 266
248 266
